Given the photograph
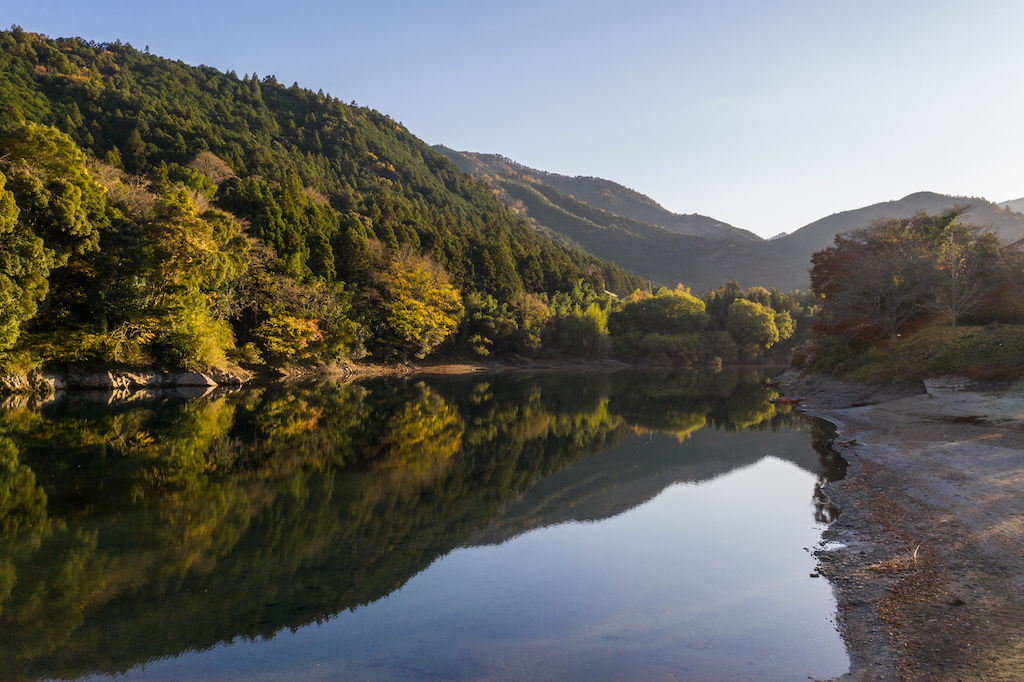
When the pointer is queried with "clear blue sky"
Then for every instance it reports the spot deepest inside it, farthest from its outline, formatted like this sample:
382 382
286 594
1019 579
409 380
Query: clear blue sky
767 115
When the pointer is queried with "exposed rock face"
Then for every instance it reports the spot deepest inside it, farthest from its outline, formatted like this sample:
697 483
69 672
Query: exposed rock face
191 379
27 383
49 381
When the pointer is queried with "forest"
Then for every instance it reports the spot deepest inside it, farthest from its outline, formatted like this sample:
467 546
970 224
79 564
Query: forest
155 213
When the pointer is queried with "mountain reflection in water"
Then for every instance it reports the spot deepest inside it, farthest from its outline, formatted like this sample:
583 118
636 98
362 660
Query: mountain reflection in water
143 529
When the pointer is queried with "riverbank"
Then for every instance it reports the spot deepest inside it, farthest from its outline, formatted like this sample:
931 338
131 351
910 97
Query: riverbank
116 379
930 576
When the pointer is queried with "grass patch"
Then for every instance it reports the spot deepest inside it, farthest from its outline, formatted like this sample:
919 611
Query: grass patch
980 353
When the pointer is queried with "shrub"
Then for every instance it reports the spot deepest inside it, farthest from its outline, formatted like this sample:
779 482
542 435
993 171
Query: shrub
189 337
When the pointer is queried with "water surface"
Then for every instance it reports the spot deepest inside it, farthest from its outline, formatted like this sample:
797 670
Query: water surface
589 526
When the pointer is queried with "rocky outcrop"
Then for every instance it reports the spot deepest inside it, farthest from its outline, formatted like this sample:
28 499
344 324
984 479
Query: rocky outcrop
118 380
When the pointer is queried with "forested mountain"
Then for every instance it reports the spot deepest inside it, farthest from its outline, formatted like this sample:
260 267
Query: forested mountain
603 194
158 213
1008 225
648 250
592 214
1014 205
158 209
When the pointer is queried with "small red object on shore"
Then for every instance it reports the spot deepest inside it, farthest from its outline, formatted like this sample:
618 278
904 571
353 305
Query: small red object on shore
780 400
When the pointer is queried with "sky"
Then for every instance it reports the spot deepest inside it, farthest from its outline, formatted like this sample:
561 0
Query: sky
765 115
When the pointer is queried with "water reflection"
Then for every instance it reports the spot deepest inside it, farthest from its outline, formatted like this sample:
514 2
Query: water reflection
147 528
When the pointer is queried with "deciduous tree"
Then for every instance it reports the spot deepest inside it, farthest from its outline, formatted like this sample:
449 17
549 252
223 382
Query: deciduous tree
417 307
752 326
879 278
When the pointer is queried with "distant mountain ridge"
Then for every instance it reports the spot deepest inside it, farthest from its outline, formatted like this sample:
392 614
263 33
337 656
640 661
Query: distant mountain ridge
1013 205
617 224
665 257
603 194
820 234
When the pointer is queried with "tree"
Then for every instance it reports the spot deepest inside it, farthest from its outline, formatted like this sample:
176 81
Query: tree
667 327
212 166
417 307
717 303
134 153
532 315
879 278
487 326
752 326
284 335
963 272
669 312
57 200
24 267
50 209
785 324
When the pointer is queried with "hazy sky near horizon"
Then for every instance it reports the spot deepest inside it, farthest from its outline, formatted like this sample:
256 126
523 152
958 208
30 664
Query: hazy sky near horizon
766 115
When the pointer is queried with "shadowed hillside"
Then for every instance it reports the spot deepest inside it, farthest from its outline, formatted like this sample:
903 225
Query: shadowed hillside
647 250
614 223
603 194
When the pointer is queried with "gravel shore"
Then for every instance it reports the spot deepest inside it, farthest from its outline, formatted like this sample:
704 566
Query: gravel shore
929 579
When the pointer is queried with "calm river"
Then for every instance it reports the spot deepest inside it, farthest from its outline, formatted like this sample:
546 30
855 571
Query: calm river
624 526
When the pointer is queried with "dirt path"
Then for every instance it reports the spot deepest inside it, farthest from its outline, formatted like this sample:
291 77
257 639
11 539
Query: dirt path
930 583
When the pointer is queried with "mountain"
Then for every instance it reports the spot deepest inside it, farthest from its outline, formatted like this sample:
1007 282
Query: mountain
616 224
603 194
821 233
1013 205
647 250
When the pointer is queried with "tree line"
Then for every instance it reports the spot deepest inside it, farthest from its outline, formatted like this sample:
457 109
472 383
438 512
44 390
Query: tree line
201 206
156 213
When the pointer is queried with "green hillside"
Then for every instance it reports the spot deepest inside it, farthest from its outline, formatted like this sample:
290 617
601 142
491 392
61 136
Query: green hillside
211 205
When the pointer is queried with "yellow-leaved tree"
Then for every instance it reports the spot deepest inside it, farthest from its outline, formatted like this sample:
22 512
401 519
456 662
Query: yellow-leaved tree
415 308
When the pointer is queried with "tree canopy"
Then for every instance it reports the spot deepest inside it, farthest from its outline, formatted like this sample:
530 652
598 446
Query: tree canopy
894 277
881 278
149 205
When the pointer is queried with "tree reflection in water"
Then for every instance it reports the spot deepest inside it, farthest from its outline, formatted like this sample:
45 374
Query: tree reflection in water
144 529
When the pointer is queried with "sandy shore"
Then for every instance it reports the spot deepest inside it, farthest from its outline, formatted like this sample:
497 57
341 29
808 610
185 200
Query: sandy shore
930 579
